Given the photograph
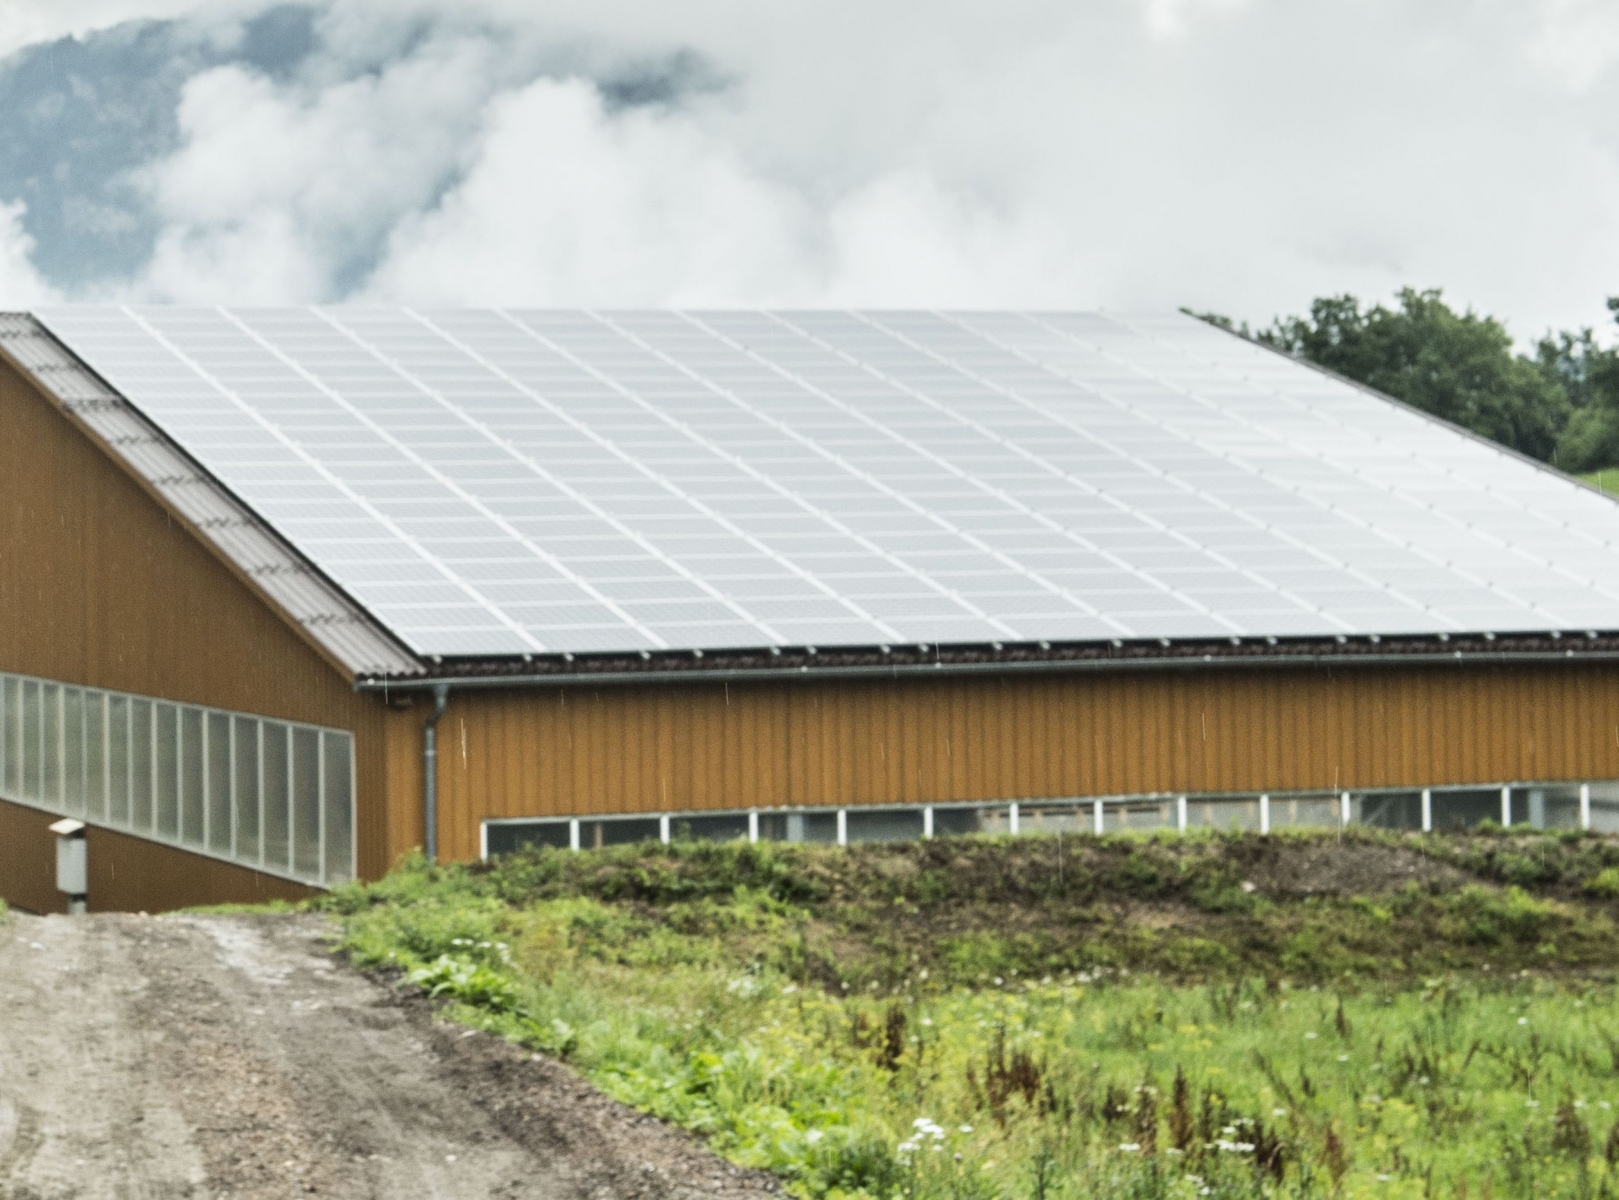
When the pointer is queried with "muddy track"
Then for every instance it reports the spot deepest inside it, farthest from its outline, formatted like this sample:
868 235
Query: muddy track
233 1056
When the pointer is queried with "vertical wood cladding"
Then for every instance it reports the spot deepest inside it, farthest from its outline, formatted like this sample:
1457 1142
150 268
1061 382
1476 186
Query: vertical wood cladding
577 751
101 585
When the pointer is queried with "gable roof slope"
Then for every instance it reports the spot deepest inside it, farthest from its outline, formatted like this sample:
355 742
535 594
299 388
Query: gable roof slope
531 486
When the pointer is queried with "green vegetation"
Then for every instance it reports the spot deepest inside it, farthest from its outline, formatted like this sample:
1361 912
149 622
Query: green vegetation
1607 479
1559 404
1310 1015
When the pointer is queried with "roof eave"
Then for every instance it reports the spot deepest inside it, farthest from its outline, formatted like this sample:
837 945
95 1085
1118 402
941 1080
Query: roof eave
1010 658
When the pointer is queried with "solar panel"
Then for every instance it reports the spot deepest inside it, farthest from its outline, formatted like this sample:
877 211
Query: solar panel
509 482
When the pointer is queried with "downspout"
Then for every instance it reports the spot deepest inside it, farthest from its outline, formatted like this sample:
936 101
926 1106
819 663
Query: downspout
441 697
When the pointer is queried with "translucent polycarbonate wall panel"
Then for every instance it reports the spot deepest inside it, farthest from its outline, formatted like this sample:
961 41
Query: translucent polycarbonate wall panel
192 754
1304 812
1387 810
1138 816
337 807
219 783
1546 807
708 827
277 796
1222 812
245 752
883 824
508 837
958 820
50 746
1069 816
142 764
166 770
593 835
33 745
95 756
798 827
73 751
118 760
11 736
1605 807
1464 808
267 794
305 801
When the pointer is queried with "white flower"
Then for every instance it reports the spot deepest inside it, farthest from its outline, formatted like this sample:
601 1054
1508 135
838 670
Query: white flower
1130 1147
1531 1103
927 1022
966 1129
1343 1058
814 1136
1311 1034
1523 1020
1278 1112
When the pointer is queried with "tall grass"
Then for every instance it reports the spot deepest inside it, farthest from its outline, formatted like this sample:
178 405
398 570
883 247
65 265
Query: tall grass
1098 1081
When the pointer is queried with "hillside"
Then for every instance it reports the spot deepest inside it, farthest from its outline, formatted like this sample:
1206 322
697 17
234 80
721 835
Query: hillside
1215 1015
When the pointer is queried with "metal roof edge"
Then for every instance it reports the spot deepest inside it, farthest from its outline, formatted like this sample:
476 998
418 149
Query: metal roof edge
806 664
1424 414
338 627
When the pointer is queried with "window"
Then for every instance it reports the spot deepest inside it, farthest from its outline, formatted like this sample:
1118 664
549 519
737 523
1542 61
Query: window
267 794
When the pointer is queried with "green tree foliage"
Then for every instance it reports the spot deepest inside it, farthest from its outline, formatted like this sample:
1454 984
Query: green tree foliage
1458 366
1560 404
1589 376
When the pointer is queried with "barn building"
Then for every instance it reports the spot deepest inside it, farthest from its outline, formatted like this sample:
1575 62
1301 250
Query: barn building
285 594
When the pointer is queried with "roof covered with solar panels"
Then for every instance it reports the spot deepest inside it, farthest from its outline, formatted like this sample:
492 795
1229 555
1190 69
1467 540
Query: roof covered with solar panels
494 485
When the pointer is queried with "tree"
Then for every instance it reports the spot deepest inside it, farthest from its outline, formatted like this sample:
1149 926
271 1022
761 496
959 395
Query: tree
1589 377
1457 366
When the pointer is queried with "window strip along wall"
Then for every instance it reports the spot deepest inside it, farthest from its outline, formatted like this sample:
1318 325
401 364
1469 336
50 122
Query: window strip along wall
1593 805
276 796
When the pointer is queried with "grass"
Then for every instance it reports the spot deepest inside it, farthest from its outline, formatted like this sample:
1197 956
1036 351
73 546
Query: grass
1326 1015
1607 479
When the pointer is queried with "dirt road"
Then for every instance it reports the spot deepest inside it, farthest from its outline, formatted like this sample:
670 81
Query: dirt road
233 1056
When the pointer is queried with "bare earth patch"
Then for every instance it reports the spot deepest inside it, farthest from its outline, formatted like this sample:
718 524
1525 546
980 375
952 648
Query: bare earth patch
234 1056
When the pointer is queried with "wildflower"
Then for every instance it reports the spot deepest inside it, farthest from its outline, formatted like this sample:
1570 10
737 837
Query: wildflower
1531 1103
998 981
1343 1058
966 1129
1311 1034
1278 1112
927 1022
1130 1147
1523 1020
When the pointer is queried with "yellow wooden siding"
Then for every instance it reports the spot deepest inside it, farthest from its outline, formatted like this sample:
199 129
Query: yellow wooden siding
692 747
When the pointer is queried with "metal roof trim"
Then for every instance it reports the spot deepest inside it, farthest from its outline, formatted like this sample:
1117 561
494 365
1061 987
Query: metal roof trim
342 629
898 662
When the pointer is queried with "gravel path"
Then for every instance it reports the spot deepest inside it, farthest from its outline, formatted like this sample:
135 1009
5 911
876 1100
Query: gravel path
233 1056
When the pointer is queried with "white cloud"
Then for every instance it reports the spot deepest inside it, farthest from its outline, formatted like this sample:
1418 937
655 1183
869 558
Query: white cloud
1242 155
20 284
1578 41
1171 18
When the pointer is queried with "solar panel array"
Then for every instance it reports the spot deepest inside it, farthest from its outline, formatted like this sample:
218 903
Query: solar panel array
511 482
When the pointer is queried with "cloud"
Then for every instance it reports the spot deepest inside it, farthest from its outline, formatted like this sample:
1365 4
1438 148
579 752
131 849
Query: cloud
1240 155
20 283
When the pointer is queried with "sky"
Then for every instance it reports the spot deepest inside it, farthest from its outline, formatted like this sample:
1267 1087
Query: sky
1240 156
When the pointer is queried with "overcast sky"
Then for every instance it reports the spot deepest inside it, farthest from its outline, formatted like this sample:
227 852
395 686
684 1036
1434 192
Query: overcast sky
1236 155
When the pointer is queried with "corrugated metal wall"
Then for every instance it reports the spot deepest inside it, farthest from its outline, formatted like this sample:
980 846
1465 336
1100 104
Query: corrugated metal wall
576 751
